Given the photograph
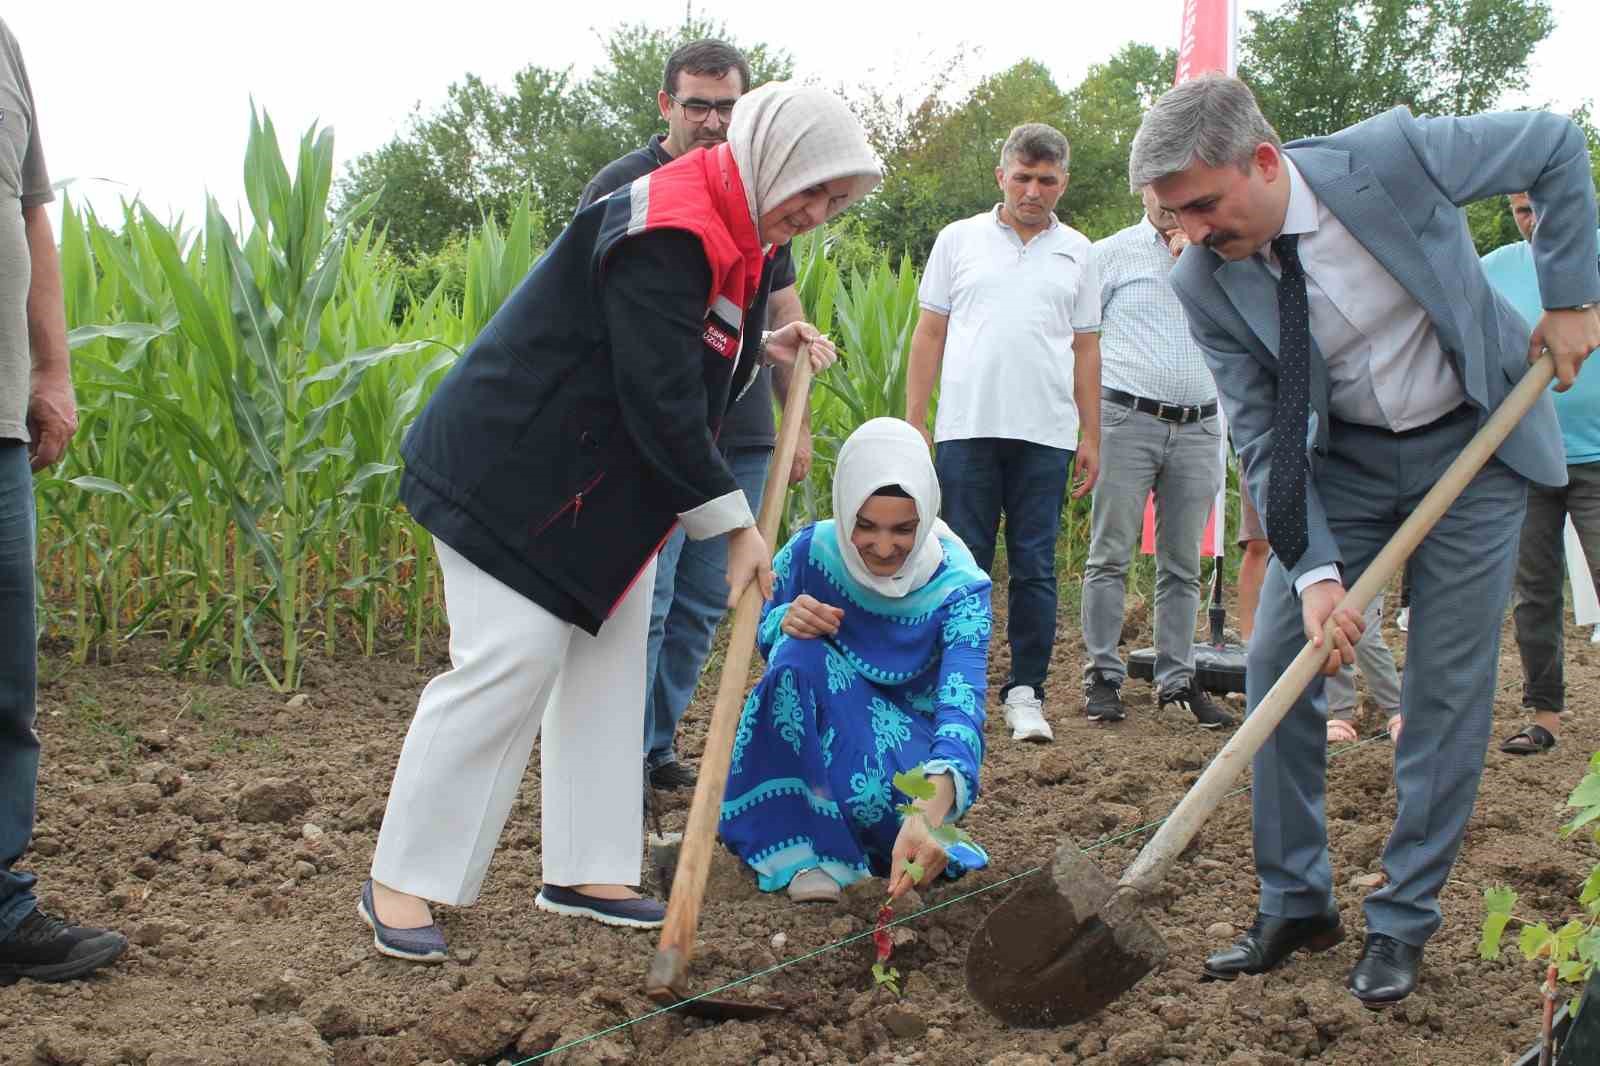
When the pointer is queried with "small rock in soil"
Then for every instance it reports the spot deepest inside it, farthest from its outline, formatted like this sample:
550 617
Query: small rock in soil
57 1048
200 805
1372 880
311 831
298 700
779 942
282 993
903 1024
1219 931
273 799
145 868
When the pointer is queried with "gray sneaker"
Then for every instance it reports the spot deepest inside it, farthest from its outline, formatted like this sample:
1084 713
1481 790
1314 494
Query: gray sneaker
1102 699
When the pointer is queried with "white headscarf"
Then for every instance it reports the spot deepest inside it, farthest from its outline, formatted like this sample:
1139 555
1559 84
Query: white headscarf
786 138
882 452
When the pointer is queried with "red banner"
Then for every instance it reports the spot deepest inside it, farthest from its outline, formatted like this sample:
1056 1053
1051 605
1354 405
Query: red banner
1206 42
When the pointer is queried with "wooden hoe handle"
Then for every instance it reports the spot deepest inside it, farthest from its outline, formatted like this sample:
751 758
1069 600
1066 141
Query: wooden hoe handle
1150 868
665 980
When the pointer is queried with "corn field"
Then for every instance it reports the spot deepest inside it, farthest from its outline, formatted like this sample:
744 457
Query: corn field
243 389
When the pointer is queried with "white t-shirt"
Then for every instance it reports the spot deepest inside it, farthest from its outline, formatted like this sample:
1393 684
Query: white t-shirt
1013 308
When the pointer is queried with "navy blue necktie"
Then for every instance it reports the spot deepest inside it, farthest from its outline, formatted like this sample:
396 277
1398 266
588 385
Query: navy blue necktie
1286 485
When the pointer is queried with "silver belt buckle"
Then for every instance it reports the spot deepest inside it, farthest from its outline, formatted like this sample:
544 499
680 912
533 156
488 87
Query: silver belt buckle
1161 412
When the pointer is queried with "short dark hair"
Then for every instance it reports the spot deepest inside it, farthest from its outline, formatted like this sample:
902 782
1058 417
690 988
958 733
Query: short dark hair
892 491
705 56
1035 143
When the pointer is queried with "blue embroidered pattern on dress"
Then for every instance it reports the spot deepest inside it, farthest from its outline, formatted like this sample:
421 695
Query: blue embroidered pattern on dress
783 562
891 727
965 734
841 675
968 622
826 741
747 719
924 702
786 714
869 795
781 786
958 692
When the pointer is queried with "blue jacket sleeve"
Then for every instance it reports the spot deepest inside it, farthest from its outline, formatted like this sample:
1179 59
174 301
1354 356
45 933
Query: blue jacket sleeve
965 624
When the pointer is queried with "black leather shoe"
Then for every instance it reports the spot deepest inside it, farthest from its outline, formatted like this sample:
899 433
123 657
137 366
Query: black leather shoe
673 775
1270 940
1386 973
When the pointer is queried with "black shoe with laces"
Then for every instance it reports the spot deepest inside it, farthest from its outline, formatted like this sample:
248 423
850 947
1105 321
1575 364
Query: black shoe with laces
1197 701
43 948
1102 700
672 775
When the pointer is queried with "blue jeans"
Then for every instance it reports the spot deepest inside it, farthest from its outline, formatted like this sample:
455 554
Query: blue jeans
19 745
690 598
979 479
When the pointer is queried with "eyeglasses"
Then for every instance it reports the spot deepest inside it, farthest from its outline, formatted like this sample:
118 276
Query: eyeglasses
700 110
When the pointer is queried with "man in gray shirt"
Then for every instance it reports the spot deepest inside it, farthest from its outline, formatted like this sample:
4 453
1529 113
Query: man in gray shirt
37 418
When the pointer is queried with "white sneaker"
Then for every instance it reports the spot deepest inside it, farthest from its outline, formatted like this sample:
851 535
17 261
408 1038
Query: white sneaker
1025 715
1403 620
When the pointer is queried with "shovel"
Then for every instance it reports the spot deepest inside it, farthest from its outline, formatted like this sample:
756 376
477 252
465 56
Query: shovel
667 979
1064 946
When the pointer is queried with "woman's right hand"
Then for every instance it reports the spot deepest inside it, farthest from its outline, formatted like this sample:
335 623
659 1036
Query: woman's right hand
808 617
749 559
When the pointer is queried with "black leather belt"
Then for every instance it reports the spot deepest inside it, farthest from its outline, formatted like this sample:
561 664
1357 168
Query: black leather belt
1455 414
1167 412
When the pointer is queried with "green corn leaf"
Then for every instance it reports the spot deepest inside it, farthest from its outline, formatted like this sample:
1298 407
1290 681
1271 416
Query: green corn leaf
107 487
1587 794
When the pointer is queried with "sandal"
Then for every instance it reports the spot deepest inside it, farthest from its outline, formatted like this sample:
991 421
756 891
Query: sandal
1532 740
1340 731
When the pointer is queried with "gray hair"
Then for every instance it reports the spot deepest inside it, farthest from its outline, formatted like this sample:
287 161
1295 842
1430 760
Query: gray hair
1212 119
1035 142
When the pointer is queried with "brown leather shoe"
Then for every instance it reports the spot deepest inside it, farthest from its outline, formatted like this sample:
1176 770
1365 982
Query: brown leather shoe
1270 940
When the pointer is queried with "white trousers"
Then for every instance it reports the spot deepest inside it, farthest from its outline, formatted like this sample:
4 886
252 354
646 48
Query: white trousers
516 668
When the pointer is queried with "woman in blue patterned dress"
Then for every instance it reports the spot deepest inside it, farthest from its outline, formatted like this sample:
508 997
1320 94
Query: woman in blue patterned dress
877 647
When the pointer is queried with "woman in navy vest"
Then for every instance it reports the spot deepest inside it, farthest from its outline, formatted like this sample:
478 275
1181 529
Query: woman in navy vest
549 466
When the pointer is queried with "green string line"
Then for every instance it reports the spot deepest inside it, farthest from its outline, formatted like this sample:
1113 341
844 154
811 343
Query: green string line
826 948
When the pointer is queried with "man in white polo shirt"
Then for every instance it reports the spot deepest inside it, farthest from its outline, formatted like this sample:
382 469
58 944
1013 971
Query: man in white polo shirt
1010 330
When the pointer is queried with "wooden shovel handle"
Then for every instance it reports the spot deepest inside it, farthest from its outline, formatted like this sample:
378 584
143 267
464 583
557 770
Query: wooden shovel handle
665 981
1150 868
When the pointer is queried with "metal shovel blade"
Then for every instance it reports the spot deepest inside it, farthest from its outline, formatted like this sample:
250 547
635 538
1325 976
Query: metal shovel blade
1062 947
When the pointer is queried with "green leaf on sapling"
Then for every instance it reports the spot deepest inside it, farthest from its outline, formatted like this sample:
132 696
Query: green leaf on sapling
1501 899
1494 927
1567 939
1591 887
1537 939
915 870
947 836
1573 970
915 783
1589 947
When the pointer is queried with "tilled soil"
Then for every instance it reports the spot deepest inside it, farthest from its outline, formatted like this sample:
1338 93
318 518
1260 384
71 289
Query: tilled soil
228 831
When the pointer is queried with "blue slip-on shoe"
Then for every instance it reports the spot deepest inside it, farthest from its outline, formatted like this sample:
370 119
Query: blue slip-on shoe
634 913
416 945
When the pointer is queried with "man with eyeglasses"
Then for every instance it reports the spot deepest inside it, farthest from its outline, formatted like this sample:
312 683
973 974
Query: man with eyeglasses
1158 433
702 82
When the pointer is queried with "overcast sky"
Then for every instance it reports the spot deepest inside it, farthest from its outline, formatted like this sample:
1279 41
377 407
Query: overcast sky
153 99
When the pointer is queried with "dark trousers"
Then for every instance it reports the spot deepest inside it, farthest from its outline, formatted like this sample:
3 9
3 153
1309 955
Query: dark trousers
1539 595
983 477
19 745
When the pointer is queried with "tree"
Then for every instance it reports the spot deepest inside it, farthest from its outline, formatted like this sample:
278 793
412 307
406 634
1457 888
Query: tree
546 135
1318 66
942 168
1104 112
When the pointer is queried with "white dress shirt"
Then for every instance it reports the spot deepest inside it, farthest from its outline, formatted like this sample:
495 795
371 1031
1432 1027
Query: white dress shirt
1386 367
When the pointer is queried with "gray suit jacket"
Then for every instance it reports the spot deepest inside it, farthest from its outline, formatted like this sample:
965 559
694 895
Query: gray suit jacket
1397 184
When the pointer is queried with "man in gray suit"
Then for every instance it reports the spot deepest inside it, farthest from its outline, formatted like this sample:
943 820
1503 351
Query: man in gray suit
1334 289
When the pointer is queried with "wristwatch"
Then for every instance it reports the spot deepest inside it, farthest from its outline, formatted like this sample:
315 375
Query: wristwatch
1591 305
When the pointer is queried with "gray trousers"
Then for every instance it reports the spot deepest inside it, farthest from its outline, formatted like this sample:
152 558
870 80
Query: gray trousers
1540 587
1182 465
1461 573
1377 666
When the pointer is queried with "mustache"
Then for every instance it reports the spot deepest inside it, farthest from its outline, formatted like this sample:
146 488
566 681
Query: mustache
1214 238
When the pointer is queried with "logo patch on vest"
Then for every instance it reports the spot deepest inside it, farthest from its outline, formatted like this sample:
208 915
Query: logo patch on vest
723 323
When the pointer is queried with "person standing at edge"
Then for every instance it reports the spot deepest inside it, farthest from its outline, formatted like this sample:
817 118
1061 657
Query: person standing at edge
702 82
1357 348
1158 432
1538 593
1009 329
38 416
550 464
